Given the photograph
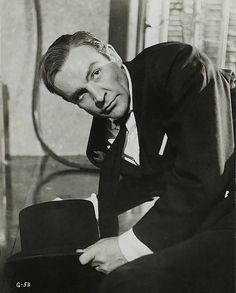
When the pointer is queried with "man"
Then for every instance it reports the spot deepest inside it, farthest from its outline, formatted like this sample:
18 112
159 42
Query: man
162 126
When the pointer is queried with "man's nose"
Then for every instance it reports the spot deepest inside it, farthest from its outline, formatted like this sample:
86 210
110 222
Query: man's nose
98 96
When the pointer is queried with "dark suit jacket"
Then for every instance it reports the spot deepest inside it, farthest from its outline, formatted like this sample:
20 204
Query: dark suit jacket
178 91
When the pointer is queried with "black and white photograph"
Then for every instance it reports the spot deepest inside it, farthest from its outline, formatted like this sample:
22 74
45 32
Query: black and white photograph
117 146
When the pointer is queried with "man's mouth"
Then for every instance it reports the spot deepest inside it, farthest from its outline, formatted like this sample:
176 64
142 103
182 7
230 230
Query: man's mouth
110 106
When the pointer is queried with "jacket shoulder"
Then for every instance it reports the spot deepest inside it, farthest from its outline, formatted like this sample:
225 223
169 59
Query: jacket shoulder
163 55
167 48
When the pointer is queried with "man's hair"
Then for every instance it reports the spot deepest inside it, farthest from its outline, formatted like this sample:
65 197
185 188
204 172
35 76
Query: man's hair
57 53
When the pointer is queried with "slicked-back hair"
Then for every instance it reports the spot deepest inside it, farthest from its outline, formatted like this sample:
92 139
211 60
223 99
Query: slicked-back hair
52 61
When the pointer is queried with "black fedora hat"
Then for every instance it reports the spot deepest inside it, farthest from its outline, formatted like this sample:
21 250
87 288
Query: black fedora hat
50 233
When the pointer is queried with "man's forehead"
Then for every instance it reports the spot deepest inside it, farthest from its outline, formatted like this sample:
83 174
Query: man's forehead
81 57
76 66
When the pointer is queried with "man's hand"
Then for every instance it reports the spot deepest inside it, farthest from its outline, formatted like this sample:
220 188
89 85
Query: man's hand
105 255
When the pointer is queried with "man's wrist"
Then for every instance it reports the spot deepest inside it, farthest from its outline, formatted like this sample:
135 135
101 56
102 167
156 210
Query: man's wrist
131 247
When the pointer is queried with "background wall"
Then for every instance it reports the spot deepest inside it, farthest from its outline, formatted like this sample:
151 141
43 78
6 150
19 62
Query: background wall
129 25
64 127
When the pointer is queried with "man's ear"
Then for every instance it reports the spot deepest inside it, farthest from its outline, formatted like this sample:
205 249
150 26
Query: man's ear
114 56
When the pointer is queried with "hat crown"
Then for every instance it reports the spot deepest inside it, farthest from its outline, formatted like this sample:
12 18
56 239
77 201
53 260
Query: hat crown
57 227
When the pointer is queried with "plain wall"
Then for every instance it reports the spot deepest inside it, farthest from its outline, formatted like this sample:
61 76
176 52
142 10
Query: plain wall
65 127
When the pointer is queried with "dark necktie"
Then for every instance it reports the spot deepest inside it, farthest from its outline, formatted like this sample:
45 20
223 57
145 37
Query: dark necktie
109 179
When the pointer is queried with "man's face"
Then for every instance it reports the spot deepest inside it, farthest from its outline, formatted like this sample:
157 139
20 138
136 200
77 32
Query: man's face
94 83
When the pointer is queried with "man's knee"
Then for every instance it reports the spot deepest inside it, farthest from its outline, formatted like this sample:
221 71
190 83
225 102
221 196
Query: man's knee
142 275
118 280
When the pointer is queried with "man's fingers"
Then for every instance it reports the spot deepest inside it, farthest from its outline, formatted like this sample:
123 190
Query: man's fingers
96 263
104 255
102 268
79 250
88 255
107 268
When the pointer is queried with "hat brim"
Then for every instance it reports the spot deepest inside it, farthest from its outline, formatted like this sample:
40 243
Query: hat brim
42 253
61 273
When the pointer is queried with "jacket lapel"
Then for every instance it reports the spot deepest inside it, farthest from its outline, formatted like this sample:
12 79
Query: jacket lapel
148 115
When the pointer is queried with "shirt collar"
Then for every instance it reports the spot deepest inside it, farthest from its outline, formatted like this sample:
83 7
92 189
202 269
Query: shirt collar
130 123
130 87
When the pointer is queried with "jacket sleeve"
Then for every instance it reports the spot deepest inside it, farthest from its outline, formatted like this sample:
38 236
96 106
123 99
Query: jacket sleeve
200 130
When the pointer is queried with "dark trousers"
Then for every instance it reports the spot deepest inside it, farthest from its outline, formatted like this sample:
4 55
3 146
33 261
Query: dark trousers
203 263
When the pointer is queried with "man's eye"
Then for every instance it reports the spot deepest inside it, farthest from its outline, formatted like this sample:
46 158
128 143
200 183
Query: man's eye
96 73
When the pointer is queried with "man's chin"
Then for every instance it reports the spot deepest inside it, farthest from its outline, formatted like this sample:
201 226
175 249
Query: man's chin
116 116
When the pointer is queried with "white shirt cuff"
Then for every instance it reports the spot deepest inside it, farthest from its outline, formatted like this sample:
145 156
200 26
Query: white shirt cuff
131 246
